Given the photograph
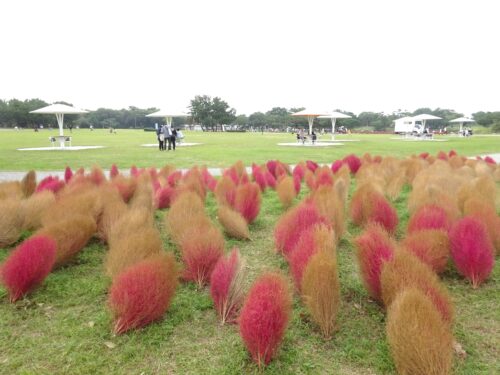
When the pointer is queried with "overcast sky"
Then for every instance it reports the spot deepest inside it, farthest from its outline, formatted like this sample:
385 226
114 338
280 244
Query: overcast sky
355 55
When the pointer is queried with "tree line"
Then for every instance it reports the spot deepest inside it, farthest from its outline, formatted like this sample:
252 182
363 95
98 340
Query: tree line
213 112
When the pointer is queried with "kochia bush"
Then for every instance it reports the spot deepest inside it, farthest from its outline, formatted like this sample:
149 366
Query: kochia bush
28 265
472 250
226 286
264 317
143 292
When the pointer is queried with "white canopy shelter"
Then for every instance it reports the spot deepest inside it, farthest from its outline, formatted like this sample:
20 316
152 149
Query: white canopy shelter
462 121
60 110
424 117
168 114
334 116
311 115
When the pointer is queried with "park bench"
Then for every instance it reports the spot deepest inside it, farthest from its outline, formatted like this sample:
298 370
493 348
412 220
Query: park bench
60 138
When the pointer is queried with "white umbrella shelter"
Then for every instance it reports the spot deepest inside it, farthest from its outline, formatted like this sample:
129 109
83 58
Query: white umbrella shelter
311 115
168 114
462 121
424 117
334 116
60 110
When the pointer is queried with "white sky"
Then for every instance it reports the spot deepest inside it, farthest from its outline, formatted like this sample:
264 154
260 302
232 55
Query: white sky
353 55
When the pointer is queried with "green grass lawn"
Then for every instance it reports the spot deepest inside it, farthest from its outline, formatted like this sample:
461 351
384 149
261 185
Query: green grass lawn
217 149
64 327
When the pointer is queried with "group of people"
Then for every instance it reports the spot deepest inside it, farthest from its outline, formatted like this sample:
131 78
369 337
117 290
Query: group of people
167 136
301 137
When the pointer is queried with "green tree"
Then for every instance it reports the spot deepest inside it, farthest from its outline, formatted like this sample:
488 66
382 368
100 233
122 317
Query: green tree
211 112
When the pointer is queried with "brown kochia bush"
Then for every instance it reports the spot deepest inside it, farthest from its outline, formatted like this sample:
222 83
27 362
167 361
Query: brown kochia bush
143 196
225 191
132 248
286 191
130 221
11 221
11 190
71 236
113 209
186 212
34 207
233 223
321 290
28 183
431 246
85 202
404 271
420 341
331 204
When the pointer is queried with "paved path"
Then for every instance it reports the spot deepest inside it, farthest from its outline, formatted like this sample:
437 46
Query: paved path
17 175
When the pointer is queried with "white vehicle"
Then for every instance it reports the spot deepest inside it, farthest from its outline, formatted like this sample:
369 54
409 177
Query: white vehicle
408 125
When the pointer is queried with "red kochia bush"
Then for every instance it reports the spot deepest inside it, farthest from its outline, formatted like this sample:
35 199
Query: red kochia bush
163 197
270 180
311 165
28 265
226 286
374 247
208 180
259 177
291 224
114 171
142 293
353 162
429 217
336 165
50 183
472 250
247 201
299 171
68 173
264 317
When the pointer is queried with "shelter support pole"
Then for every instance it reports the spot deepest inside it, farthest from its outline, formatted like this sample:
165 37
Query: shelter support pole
60 123
310 119
333 128
169 121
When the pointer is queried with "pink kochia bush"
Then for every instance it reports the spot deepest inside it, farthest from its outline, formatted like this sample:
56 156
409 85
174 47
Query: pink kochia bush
472 250
374 248
353 162
429 217
264 317
248 200
226 286
291 224
68 173
50 183
142 293
28 265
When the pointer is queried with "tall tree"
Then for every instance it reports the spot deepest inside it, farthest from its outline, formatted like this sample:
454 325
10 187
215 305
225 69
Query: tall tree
211 112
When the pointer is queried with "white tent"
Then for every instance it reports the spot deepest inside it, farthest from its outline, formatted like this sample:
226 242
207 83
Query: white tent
311 115
60 110
462 121
334 116
168 114
424 117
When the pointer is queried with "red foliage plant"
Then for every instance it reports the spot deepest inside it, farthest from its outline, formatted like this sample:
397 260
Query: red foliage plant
113 172
260 178
353 162
201 249
174 178
486 213
429 217
28 265
472 250
50 183
163 197
271 167
68 174
336 165
311 165
297 183
142 293
318 237
226 286
299 170
374 248
265 316
324 176
247 201
431 246
125 186
270 180
97 176
208 180
225 191
291 224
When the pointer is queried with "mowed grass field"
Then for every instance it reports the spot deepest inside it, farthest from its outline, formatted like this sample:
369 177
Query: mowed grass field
216 149
64 327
